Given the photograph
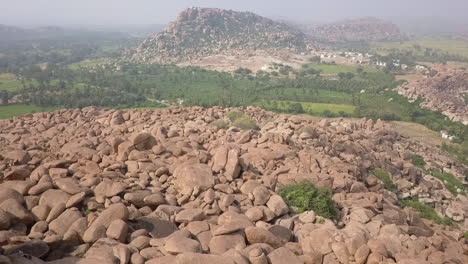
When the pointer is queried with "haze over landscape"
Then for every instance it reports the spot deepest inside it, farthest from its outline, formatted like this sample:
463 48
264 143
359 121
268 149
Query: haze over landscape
233 132
118 12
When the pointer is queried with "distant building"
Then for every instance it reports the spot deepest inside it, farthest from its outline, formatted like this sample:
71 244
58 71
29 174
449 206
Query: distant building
445 135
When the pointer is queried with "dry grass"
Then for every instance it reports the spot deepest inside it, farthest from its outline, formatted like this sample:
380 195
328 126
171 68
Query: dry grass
418 132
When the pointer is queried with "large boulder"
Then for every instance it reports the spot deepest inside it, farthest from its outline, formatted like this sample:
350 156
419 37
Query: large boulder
99 226
190 176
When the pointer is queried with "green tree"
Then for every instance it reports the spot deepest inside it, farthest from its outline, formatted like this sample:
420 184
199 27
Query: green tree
4 96
296 108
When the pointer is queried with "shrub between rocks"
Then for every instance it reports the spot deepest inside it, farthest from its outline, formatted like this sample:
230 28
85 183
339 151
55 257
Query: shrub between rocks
418 161
242 121
384 176
220 124
451 182
234 115
305 196
426 211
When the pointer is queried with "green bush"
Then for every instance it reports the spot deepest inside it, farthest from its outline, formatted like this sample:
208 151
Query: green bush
465 235
296 108
220 124
451 182
234 115
306 197
418 161
384 176
426 211
245 123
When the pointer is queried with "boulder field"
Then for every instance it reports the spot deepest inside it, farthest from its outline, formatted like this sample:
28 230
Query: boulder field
165 186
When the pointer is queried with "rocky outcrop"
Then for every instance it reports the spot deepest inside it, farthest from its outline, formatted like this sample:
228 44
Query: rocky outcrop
165 186
201 32
446 92
355 30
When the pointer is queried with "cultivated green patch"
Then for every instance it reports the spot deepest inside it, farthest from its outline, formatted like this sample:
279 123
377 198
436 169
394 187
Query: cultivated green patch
14 110
337 68
318 109
420 46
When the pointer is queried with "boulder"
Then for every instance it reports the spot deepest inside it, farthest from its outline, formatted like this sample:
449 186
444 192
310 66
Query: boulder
190 176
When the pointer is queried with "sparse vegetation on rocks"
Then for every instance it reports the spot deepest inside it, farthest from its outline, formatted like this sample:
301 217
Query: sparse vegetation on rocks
451 182
386 179
418 161
305 196
426 211
167 186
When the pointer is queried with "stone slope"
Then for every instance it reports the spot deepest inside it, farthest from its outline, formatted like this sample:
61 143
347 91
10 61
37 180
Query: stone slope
446 92
355 30
201 32
165 186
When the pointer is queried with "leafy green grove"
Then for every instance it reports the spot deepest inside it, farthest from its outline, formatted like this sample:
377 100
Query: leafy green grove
305 196
364 93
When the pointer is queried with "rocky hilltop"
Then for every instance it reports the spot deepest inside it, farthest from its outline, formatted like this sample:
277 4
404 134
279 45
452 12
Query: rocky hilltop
446 92
355 30
167 186
201 32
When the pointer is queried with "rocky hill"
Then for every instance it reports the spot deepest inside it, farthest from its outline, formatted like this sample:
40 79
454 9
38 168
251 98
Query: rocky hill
355 30
446 92
201 32
167 186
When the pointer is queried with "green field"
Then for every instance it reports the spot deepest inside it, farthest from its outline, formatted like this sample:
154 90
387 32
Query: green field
9 83
309 108
13 110
335 69
451 46
86 64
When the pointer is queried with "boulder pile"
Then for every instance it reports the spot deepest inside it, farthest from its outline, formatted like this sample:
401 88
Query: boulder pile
164 186
201 32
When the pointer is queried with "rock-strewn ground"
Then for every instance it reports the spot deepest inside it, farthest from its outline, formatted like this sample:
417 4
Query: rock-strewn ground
165 186
446 92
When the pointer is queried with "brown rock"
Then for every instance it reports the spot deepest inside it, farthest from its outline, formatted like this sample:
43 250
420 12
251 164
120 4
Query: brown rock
283 255
277 205
188 177
64 221
118 230
221 244
114 212
194 258
260 235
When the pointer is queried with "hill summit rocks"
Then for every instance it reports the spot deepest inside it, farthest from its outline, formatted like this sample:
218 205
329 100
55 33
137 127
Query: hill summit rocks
200 32
166 186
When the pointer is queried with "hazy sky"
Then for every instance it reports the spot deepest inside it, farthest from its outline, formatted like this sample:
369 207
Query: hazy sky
102 12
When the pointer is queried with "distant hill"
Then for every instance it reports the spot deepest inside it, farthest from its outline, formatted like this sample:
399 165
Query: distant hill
355 30
199 32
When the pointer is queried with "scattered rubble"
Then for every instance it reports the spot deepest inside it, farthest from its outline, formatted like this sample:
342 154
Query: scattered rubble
164 186
446 92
